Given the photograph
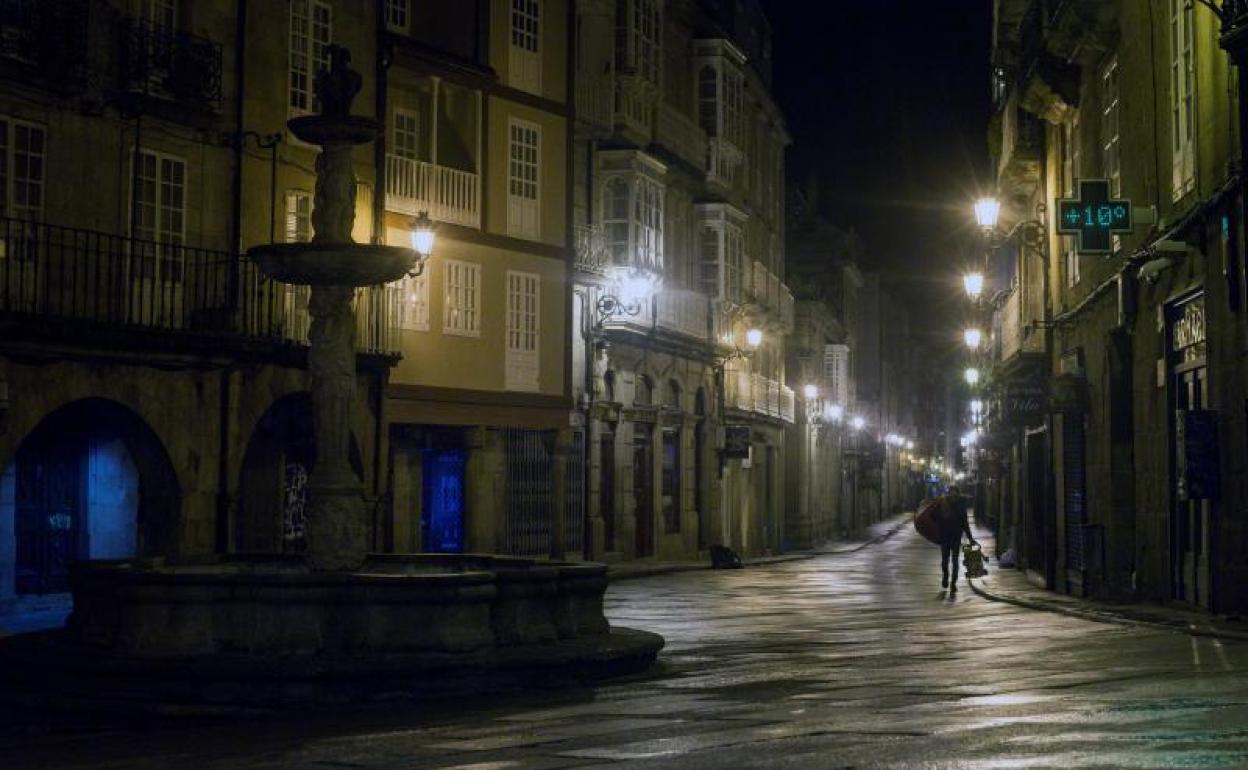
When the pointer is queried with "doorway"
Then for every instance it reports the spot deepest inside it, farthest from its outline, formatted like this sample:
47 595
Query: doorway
1189 391
443 503
643 489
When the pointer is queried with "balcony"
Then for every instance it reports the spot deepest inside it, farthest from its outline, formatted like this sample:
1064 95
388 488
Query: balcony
635 98
170 64
47 40
722 161
447 194
82 284
591 250
685 312
759 395
595 102
680 137
1017 331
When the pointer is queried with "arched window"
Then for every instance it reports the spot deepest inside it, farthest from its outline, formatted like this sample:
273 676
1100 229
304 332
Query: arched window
644 394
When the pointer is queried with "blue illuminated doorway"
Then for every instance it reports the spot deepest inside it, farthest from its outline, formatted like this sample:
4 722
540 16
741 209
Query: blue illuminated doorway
442 511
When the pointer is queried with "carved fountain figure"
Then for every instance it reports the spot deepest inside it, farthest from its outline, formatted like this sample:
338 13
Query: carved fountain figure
334 265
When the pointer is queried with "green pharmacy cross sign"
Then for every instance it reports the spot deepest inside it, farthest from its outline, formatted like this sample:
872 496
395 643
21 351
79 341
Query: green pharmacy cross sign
1094 216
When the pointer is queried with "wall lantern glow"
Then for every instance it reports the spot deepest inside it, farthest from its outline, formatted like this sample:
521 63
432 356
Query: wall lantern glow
972 338
909 445
857 423
810 391
987 211
753 338
972 376
422 238
974 284
834 412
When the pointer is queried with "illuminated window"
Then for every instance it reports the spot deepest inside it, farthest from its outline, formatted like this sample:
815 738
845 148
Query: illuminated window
23 148
632 209
1182 98
397 15
311 31
523 192
722 252
462 304
525 61
523 328
298 216
413 302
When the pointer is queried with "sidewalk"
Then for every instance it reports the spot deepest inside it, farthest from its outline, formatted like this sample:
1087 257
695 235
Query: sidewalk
878 532
1012 587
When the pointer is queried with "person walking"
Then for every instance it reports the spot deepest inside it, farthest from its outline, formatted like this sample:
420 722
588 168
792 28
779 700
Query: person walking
955 524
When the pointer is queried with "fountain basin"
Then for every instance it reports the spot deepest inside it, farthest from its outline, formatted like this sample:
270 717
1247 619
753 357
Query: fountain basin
247 632
333 264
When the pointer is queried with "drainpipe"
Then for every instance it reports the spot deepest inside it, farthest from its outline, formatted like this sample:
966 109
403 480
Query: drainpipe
236 237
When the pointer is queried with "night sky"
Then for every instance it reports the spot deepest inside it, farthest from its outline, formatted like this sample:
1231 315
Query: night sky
888 103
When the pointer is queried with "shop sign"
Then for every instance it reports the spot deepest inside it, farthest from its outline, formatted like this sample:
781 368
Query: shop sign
1024 403
1199 474
1094 216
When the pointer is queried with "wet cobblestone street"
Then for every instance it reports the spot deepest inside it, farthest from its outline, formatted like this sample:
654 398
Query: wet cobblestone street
850 660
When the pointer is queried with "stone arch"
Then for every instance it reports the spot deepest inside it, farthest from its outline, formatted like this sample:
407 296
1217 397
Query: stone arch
280 454
90 480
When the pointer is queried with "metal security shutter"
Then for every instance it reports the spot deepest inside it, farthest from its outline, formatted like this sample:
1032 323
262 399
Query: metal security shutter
1075 484
529 500
574 513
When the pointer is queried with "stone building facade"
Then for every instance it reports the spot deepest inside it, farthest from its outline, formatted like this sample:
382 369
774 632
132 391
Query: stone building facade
1116 463
677 183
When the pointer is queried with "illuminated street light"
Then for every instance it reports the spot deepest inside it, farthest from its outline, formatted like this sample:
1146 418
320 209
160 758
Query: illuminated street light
857 423
974 284
834 412
810 391
972 338
909 445
987 210
422 237
971 375
754 338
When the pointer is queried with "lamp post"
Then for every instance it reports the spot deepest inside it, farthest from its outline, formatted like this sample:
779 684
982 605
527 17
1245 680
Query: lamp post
974 284
972 337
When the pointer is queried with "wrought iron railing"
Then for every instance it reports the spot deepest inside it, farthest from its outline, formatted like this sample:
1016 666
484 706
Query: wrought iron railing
48 36
170 64
591 249
54 274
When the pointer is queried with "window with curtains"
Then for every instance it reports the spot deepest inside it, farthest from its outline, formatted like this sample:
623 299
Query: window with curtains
311 32
523 179
462 303
523 330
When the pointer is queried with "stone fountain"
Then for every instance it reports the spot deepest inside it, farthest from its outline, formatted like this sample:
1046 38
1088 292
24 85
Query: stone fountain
337 624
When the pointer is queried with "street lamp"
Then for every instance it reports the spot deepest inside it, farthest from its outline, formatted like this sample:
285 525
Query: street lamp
857 423
834 412
974 284
422 237
753 338
971 375
972 338
628 289
810 391
987 211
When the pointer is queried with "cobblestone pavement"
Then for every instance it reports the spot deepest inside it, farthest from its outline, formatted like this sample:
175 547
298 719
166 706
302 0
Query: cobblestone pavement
849 660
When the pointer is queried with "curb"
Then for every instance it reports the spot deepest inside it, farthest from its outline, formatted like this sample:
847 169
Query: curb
667 569
1108 617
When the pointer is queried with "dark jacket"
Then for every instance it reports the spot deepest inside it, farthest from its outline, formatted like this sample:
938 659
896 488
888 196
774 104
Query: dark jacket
958 523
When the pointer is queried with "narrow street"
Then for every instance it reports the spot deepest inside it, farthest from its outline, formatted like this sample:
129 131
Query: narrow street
851 660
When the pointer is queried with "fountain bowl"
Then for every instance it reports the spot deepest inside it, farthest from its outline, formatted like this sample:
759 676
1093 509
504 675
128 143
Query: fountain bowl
333 264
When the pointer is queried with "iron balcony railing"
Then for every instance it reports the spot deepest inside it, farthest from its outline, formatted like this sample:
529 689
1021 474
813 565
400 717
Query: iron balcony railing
591 249
50 273
48 37
170 64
